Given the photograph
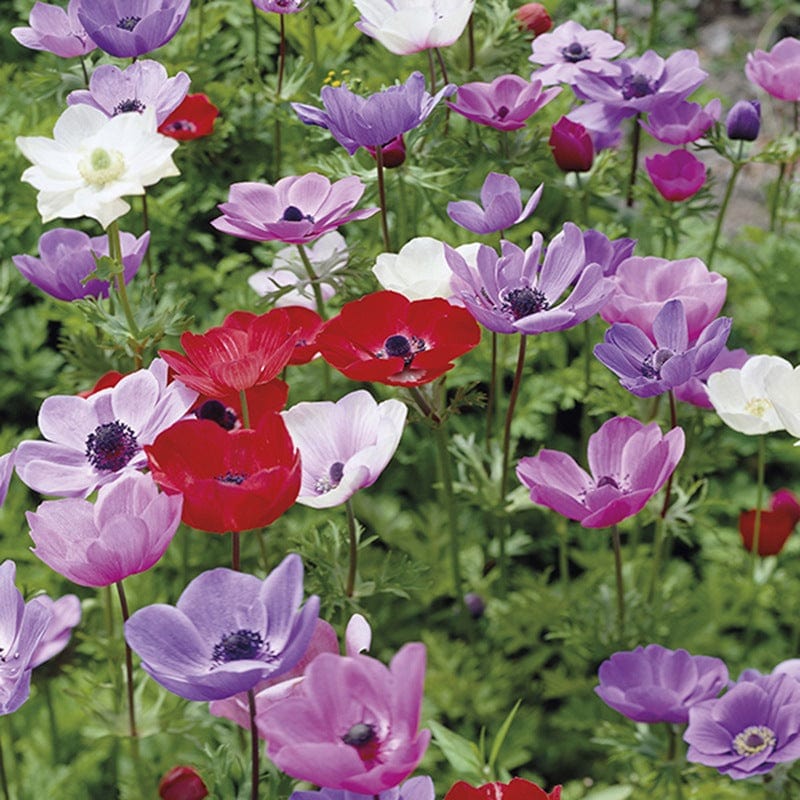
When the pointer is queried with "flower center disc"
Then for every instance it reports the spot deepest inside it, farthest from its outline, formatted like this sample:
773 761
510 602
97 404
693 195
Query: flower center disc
525 301
128 23
754 739
102 166
238 645
109 447
575 52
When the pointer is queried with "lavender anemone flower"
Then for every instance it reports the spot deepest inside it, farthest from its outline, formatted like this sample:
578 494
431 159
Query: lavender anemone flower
570 51
778 71
296 210
356 121
683 122
227 632
419 788
748 730
502 206
609 253
131 28
629 463
344 446
125 532
67 256
143 84
91 440
353 724
513 293
648 367
505 104
55 30
652 684
6 470
65 615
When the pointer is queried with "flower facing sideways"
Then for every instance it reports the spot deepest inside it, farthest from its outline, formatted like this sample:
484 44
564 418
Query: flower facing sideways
778 71
55 30
192 119
777 523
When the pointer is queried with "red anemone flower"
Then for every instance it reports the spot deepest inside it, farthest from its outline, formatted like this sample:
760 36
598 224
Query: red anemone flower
387 338
230 481
777 524
246 350
308 324
518 789
267 398
193 118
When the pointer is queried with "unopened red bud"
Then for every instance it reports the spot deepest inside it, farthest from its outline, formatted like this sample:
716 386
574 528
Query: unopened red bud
182 783
533 17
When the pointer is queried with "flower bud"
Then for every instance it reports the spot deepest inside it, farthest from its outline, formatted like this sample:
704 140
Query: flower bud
572 146
475 604
533 17
393 152
744 120
182 783
677 176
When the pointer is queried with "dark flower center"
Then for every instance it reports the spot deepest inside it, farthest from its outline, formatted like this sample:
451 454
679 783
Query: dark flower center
359 735
232 477
502 112
607 480
132 104
397 345
217 412
754 739
638 85
400 346
524 302
575 52
128 23
331 480
238 645
180 125
294 214
110 446
651 366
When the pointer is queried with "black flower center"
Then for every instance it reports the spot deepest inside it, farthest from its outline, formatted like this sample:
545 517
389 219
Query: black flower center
607 480
180 125
128 23
331 480
217 412
651 366
294 214
397 345
359 735
132 104
524 302
502 112
575 52
232 477
110 446
400 346
637 85
238 645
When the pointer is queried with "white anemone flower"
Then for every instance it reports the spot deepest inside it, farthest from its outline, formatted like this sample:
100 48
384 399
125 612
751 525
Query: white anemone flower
92 162
741 397
783 391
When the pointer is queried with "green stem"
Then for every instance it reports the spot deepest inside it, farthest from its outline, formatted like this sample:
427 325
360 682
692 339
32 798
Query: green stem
236 551
490 398
123 603
651 36
424 406
52 722
245 408
674 757
442 66
636 137
256 45
314 279
614 17
737 165
115 252
254 748
449 503
85 71
146 227
281 55
471 42
761 468
660 537
382 198
3 776
776 199
353 548
312 35
620 586
432 70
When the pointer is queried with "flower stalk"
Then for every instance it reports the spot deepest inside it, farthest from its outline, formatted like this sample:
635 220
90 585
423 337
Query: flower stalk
382 198
314 279
123 603
352 549
254 755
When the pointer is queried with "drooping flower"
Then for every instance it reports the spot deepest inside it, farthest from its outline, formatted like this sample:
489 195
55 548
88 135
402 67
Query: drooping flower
131 28
744 121
55 30
296 210
677 176
516 789
344 446
502 206
92 162
570 51
777 523
192 119
356 121
629 463
778 71
387 338
505 104
748 730
227 632
353 724
92 440
533 17
419 788
644 284
408 26
182 783
230 480
67 256
65 615
571 145
125 532
653 684
514 293
682 122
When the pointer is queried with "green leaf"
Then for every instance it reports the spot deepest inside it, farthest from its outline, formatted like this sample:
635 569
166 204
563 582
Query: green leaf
501 735
462 754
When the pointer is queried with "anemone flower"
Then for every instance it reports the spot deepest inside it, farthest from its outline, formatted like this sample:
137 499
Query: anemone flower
55 30
683 122
677 176
515 789
777 72
192 119
418 788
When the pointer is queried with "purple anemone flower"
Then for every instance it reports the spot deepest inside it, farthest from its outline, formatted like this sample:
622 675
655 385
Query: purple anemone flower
609 253
142 85
743 121
505 104
91 440
6 470
570 51
419 788
67 256
55 30
652 684
227 632
683 122
65 615
629 463
778 71
649 367
130 28
296 210
502 206
356 121
344 446
748 730
694 390
513 293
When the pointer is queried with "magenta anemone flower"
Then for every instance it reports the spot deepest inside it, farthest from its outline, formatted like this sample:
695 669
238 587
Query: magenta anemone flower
683 122
296 210
92 440
514 293
356 121
125 532
502 206
572 146
280 6
748 730
228 631
139 86
66 614
344 446
505 104
131 28
55 30
778 71
652 684
570 51
67 256
629 463
677 176
353 724
419 788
